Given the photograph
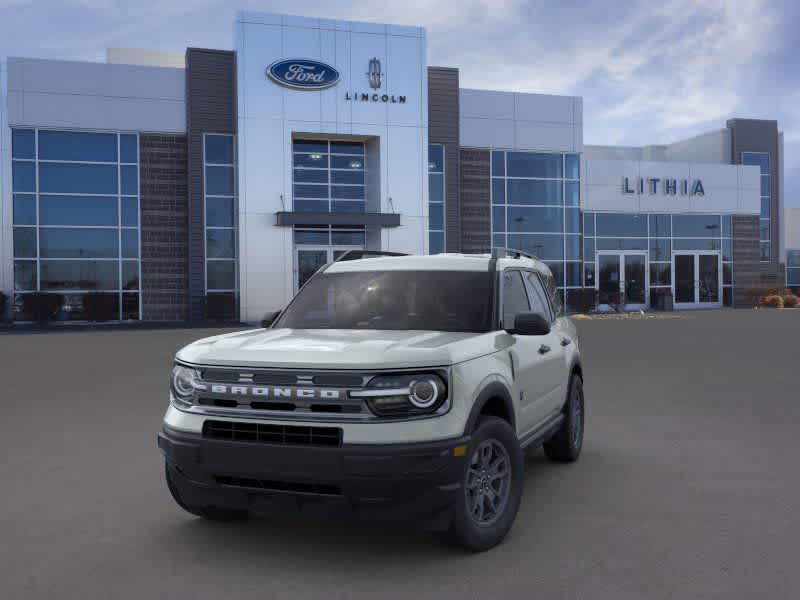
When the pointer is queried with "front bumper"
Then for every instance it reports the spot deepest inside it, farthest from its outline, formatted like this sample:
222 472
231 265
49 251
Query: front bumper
391 480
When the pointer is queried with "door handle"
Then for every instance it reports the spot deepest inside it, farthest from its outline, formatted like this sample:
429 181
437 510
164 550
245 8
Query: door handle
543 349
566 341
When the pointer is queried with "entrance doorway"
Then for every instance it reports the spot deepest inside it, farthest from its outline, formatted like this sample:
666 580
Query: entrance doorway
697 279
622 280
308 261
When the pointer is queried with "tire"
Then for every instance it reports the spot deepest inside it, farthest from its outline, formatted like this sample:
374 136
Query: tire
482 518
566 443
212 513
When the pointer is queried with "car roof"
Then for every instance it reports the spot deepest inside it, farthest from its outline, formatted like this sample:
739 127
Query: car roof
433 262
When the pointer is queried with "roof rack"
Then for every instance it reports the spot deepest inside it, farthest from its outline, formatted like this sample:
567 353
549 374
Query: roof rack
359 254
499 252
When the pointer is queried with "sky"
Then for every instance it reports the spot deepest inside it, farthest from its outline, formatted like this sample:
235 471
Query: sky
650 72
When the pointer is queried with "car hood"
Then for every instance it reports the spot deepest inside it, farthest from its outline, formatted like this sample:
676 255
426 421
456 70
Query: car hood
337 348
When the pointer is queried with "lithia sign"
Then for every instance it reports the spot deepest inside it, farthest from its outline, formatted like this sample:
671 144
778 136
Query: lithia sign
667 186
306 74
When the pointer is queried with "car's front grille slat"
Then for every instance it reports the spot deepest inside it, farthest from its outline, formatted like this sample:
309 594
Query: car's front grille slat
296 435
299 487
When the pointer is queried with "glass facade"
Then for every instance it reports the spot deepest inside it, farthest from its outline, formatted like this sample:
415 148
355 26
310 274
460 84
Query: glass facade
536 209
659 235
436 198
793 268
328 176
761 160
221 223
76 219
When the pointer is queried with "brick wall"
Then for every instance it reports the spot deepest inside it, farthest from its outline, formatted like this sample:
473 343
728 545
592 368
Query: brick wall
165 231
476 216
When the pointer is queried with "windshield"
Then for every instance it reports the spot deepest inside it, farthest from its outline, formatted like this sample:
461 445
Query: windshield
428 300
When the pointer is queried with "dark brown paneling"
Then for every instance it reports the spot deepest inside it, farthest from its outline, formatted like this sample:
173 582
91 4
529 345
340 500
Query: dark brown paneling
164 226
746 253
443 114
210 108
476 217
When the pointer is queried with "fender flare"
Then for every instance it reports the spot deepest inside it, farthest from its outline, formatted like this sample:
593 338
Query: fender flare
495 389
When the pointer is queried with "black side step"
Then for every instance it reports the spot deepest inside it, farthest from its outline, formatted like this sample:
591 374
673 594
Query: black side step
543 432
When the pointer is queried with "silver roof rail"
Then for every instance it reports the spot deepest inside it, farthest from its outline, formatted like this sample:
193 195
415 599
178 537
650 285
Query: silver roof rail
359 254
499 252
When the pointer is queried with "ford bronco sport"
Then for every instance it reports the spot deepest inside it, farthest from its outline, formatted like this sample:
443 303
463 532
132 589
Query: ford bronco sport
390 385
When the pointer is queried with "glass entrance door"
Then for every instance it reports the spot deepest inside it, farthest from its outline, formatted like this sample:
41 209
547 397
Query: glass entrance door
622 280
697 279
309 260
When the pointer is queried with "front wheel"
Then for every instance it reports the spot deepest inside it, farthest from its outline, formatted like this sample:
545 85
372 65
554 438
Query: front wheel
566 443
487 504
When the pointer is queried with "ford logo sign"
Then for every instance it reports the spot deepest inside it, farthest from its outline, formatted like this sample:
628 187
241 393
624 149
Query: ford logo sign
303 74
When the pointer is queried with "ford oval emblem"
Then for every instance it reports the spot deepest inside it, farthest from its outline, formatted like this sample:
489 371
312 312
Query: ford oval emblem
303 74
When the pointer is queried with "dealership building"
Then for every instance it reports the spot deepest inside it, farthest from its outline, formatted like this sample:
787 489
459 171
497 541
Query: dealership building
213 183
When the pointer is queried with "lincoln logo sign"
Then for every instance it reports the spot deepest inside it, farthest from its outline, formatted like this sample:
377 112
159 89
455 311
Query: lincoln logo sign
669 187
302 74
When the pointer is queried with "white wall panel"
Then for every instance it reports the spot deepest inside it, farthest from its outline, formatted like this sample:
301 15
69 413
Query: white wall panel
486 133
540 135
486 104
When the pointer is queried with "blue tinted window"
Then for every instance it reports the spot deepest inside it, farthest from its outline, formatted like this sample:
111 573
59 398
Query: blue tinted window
526 191
347 192
499 240
220 243
727 249
727 225
695 244
23 176
572 247
436 188
339 162
77 210
73 145
77 179
129 184
588 224
320 161
498 218
529 164
435 242
221 274
696 225
79 275
793 258
535 220
312 237
573 166
24 275
78 243
311 205
347 148
627 225
436 216
130 212
310 146
130 243
23 143
312 175
219 181
572 190
348 206
572 220
498 163
660 249
660 226
128 149
219 149
24 209
219 212
130 275
498 191
765 185
25 242
546 247
764 229
354 177
621 244
766 251
435 158
348 238
558 273
573 274
310 191
765 207
759 159
588 249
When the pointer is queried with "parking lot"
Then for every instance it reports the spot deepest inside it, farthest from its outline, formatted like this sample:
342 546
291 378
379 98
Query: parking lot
688 486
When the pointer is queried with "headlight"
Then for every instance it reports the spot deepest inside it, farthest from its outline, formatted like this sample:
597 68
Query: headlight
184 381
404 395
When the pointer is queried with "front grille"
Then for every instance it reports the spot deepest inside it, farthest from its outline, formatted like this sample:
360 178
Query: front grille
288 435
296 487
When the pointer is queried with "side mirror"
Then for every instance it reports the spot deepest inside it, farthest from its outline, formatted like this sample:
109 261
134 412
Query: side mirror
530 323
269 319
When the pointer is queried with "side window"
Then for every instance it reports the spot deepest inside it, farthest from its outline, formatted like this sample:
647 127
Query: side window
537 295
515 300
553 294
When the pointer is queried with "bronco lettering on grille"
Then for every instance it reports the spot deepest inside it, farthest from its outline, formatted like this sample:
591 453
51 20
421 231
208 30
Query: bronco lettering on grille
270 392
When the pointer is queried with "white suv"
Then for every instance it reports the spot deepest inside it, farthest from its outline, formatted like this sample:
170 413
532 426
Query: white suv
390 386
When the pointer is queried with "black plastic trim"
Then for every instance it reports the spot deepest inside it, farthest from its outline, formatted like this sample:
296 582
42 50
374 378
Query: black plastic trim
492 390
543 432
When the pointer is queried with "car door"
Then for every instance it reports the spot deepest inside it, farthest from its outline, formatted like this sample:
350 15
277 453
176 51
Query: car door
528 354
551 371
